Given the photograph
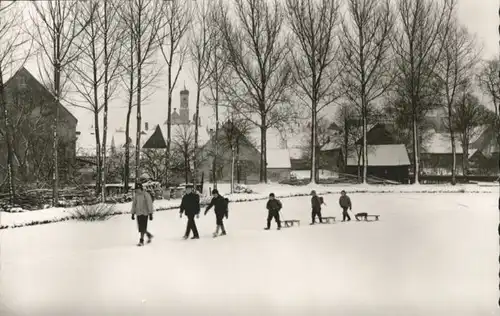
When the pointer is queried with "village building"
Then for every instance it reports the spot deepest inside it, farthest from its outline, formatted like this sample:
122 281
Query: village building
32 108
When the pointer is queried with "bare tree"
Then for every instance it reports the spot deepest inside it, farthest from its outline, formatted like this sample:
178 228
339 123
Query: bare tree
202 46
324 136
183 144
255 44
98 70
454 71
314 57
367 58
218 70
144 20
490 83
153 162
468 115
56 27
235 132
12 53
177 17
418 49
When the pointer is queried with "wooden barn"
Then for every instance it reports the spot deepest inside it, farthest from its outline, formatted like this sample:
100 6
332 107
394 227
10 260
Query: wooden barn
387 159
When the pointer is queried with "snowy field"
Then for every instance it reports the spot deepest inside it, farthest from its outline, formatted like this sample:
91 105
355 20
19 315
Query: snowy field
260 191
430 254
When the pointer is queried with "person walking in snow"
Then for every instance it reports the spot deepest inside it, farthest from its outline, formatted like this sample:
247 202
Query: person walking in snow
273 206
316 202
190 205
220 205
142 206
345 203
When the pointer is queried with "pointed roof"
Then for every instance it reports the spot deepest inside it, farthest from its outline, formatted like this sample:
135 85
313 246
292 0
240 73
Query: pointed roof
34 83
156 140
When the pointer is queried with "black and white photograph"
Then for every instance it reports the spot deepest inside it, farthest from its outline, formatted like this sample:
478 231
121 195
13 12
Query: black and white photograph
249 157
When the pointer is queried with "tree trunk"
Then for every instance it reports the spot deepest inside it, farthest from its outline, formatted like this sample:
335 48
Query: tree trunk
197 114
106 99
454 158
365 145
416 162
169 128
313 145
139 122
263 150
346 143
10 147
216 140
57 95
238 169
232 169
126 176
186 168
97 149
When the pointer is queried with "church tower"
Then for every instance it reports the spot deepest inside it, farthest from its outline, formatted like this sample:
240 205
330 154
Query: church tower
184 108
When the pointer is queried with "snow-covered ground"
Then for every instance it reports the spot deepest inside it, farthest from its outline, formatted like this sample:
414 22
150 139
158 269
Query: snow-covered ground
430 254
260 191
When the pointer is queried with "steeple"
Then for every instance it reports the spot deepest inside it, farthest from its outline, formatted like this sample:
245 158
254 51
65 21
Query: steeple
184 108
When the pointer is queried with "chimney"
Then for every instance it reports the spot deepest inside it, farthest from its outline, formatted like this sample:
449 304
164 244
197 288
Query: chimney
146 126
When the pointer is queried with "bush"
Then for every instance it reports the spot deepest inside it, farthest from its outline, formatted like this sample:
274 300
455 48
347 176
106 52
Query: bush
94 213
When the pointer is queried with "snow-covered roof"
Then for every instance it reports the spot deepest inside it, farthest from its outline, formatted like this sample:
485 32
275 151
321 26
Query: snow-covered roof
296 153
440 143
382 155
278 159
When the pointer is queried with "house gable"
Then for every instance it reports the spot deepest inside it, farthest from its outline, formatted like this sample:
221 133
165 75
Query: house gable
156 140
380 134
24 77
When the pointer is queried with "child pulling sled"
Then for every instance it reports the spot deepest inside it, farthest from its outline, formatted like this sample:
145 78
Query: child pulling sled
221 210
273 206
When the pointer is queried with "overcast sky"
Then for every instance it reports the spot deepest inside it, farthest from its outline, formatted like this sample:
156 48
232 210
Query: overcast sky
480 16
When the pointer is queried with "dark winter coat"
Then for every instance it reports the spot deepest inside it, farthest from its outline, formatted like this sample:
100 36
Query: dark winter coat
190 204
345 202
274 205
316 204
219 204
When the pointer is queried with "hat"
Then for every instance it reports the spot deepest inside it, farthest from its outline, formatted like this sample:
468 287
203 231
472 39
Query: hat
271 194
215 191
313 192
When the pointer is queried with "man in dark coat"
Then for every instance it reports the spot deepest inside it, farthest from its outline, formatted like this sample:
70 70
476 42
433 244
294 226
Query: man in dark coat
190 205
316 208
273 206
221 210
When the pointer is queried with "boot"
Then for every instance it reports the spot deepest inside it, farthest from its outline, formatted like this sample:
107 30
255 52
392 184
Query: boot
150 237
141 243
195 237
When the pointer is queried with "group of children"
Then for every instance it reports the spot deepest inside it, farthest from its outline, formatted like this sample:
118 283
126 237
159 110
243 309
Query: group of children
274 206
142 207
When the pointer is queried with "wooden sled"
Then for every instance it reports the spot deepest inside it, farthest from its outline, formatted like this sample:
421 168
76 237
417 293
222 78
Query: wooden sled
328 219
366 216
290 222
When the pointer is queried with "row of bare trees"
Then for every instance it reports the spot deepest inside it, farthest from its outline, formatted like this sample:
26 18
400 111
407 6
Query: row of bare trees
272 62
